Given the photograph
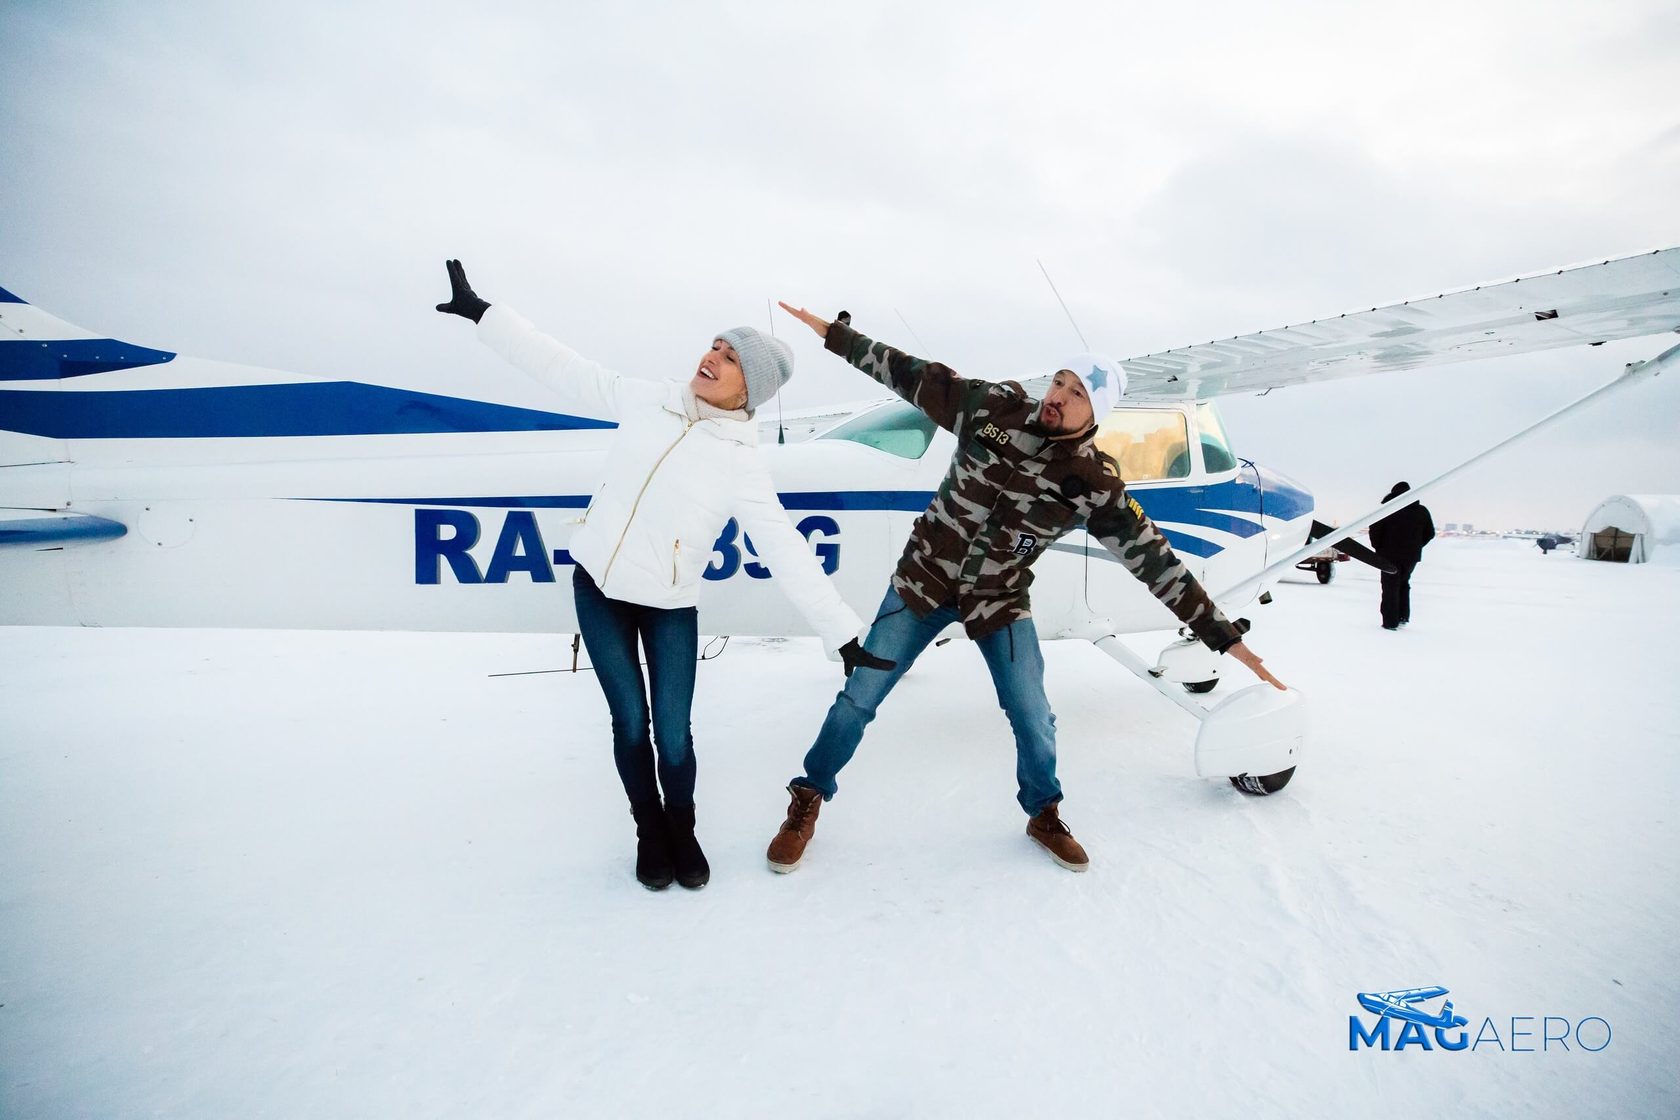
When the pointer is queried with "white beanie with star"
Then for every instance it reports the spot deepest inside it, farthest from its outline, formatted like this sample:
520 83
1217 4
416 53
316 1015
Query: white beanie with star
1103 378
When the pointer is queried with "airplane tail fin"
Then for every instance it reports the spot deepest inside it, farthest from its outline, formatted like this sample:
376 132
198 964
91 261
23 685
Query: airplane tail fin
67 393
41 354
37 346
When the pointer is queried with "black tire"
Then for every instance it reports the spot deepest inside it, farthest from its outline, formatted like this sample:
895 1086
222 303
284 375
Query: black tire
1326 571
1259 785
1200 687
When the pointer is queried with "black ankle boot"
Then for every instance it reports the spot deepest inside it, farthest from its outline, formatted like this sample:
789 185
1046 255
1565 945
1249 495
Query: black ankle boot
692 870
653 846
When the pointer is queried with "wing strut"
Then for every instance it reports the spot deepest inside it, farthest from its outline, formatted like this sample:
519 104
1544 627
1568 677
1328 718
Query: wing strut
1634 372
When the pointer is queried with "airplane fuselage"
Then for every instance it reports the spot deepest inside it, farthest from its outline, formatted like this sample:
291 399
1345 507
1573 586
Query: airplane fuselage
468 531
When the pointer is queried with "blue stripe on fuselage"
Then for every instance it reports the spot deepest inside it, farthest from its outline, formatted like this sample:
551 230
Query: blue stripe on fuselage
912 501
1182 504
536 501
1209 506
1194 546
36 532
1286 499
1237 506
319 408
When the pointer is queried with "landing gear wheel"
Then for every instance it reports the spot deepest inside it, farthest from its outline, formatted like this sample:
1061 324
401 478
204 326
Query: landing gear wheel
1199 687
1326 570
1262 784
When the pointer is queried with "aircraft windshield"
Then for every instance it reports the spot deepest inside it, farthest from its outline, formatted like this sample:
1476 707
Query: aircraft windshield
1150 443
1216 449
898 429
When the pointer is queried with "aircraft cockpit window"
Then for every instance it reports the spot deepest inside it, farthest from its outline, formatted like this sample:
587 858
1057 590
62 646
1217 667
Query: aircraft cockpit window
1150 443
1216 449
898 429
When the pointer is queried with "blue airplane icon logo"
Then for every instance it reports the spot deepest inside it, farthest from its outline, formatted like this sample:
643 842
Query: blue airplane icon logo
1403 1005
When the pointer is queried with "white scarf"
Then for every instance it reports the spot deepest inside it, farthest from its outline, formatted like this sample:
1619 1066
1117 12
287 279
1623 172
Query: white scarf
696 409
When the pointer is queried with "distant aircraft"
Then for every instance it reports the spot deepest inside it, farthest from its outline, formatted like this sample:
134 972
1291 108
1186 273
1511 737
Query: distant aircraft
1402 1005
142 488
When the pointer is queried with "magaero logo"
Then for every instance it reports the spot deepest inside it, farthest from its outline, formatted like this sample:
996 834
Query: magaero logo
1403 1019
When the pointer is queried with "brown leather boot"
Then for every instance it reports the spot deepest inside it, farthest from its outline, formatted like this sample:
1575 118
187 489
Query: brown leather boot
788 848
1053 836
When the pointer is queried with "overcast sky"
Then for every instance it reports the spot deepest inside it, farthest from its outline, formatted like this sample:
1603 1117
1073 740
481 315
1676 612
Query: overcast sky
280 185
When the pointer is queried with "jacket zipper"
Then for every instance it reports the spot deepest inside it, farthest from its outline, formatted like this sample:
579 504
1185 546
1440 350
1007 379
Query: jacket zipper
676 554
687 427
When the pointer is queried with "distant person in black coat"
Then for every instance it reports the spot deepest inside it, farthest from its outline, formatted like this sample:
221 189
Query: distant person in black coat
1399 538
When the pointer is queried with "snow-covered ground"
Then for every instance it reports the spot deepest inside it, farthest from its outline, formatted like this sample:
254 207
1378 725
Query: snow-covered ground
354 875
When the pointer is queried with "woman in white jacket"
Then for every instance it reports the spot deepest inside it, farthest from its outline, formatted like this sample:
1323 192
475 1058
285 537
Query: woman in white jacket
683 463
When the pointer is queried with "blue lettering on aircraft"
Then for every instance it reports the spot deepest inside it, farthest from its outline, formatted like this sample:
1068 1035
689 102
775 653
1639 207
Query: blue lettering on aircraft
828 550
727 552
753 568
447 536
519 549
431 546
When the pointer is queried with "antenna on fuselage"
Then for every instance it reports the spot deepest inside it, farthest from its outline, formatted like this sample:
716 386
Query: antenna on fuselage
912 331
1063 302
781 432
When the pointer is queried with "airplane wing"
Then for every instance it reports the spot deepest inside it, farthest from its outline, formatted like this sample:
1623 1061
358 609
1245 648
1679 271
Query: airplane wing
1627 297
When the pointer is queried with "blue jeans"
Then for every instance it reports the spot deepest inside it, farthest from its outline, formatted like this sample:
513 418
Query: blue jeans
610 629
1017 667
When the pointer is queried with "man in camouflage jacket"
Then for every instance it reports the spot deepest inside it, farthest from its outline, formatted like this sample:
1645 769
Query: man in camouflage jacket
1025 473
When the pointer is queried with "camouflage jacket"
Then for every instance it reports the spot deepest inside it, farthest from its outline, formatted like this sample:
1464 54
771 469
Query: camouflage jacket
1009 494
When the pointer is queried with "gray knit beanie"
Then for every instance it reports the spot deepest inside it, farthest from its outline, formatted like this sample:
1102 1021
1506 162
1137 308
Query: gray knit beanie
766 361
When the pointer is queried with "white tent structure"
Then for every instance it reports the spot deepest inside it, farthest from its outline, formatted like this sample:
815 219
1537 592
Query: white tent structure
1632 528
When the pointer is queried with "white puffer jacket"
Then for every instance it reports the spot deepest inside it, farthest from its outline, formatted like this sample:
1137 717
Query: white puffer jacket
670 486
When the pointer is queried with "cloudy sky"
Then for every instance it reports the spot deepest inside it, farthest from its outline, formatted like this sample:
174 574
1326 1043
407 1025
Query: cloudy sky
280 187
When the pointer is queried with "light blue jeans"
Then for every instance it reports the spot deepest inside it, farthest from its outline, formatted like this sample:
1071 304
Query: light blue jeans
1017 667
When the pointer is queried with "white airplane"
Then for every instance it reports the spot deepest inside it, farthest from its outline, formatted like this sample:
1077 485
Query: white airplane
143 488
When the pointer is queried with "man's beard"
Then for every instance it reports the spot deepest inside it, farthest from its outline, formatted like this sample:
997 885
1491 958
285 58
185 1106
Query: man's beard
1038 427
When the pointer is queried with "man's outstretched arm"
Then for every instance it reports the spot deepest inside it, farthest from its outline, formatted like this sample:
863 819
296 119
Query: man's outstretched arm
933 387
1126 531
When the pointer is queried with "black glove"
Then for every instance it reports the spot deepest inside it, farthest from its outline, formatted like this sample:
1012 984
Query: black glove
463 301
856 657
